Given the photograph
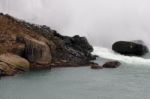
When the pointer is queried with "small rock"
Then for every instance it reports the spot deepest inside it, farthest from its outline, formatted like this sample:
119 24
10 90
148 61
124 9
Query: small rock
112 64
96 66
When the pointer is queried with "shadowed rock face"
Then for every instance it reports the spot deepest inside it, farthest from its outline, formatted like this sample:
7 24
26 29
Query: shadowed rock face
130 48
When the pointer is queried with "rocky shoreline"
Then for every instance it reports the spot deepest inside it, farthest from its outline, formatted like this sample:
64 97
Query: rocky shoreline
25 46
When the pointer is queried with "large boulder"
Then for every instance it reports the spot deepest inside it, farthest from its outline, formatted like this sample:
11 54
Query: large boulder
37 52
136 48
11 64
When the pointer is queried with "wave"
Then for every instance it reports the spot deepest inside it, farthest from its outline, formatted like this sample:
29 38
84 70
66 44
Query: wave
109 54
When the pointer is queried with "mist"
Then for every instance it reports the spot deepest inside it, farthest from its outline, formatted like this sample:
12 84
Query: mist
102 21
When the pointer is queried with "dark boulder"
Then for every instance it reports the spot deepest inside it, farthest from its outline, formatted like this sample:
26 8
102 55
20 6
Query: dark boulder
75 50
112 64
135 48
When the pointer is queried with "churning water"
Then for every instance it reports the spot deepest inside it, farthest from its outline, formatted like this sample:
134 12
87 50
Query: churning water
132 60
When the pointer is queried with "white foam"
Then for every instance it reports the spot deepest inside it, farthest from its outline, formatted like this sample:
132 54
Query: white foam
109 54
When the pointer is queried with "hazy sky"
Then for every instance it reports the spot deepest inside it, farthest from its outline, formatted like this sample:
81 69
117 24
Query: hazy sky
102 21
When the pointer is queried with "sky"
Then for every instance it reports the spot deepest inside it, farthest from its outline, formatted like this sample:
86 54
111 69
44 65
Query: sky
102 21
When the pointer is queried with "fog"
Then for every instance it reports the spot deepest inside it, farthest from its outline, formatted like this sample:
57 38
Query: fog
101 21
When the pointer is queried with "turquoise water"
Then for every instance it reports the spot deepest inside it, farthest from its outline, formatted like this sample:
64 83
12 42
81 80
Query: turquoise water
125 82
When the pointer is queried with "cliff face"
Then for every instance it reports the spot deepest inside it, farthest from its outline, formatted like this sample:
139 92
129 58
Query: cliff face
42 46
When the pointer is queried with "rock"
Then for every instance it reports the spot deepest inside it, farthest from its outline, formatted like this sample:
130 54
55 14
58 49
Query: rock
18 49
7 70
112 64
96 66
36 51
75 50
10 64
1 73
42 45
135 48
15 61
79 43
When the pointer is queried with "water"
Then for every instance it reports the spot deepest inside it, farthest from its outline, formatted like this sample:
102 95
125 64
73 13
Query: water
129 81
103 22
133 60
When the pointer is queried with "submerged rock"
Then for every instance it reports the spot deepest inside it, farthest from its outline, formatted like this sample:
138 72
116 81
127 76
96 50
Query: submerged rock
130 48
112 64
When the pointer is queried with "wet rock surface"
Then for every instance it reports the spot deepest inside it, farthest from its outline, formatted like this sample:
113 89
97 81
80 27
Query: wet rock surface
135 48
112 64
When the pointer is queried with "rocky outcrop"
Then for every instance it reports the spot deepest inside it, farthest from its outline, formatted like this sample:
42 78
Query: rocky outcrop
76 50
37 52
42 46
10 64
130 48
112 64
